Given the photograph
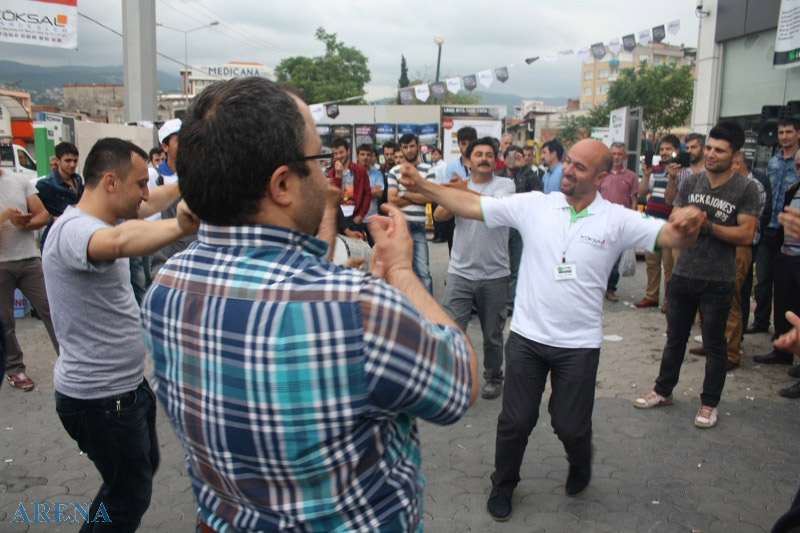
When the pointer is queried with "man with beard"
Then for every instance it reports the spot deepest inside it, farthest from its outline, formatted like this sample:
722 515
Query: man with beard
315 372
558 327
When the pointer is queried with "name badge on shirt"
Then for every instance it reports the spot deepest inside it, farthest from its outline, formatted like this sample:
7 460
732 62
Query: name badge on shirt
565 271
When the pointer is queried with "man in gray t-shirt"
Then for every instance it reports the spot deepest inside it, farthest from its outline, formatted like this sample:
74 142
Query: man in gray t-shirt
704 274
102 398
479 265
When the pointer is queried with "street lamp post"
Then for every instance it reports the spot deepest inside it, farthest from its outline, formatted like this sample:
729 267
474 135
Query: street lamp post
439 40
186 53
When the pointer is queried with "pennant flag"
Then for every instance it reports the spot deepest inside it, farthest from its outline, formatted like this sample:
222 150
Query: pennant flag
438 91
332 110
422 92
599 51
644 37
453 84
629 42
674 27
566 52
501 74
486 78
317 111
531 59
659 33
407 96
470 82
614 45
583 54
551 58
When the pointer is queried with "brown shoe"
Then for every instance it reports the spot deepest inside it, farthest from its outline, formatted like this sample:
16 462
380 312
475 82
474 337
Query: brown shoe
698 351
611 296
646 302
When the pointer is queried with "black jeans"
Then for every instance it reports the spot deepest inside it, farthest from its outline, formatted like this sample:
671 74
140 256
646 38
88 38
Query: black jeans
767 248
573 372
787 293
713 299
118 434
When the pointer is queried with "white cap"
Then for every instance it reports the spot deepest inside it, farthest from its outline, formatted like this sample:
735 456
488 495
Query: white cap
169 127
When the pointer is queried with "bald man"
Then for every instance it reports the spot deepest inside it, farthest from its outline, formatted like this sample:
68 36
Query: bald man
562 281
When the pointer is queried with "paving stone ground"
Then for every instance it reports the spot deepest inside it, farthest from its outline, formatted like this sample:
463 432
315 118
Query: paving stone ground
653 470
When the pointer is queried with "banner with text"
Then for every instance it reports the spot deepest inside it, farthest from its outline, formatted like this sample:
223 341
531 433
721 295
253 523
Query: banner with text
51 23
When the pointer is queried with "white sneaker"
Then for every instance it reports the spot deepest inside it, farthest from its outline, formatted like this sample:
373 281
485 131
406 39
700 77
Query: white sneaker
651 399
706 417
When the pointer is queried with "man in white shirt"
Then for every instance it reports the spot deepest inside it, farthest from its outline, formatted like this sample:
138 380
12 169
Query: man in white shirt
562 281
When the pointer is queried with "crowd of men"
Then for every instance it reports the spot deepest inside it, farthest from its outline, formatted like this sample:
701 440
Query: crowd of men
294 383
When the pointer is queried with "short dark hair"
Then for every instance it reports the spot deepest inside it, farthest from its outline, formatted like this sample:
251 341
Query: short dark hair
483 141
365 148
513 148
234 136
390 144
407 138
790 122
728 131
65 148
340 141
696 137
670 139
467 133
154 151
554 146
109 154
436 149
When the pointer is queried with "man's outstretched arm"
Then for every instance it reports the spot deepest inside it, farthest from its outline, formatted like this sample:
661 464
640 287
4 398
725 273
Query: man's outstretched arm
460 202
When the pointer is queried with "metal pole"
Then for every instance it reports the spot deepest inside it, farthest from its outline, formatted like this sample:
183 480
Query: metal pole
185 68
438 63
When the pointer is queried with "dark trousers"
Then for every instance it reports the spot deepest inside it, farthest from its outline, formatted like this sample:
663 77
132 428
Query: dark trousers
768 247
573 375
514 258
118 434
713 299
613 278
787 293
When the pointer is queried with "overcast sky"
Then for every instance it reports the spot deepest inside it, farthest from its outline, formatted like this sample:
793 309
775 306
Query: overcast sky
477 35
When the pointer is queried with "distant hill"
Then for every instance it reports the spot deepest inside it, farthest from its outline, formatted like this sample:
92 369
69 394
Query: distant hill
38 79
508 100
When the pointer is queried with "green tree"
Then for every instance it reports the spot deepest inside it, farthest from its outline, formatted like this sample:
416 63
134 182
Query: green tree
571 129
340 73
597 117
663 91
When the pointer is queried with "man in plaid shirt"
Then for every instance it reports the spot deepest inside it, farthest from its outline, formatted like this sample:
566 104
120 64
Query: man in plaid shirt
293 384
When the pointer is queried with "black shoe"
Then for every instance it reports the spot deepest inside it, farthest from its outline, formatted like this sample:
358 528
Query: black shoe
499 506
437 240
791 392
755 328
773 358
794 372
578 479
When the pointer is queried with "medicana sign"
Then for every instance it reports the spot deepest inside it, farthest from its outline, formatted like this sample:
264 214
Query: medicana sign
40 22
787 37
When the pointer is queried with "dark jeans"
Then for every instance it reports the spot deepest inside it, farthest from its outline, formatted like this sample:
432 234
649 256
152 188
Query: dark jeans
613 278
768 247
787 293
573 372
489 296
713 299
747 291
514 257
118 434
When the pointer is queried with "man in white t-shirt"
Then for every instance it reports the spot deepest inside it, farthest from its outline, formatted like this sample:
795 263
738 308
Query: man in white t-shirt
479 264
557 327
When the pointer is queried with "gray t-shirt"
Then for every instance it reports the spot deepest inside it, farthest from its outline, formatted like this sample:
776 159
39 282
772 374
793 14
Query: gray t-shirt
710 258
16 244
478 251
95 315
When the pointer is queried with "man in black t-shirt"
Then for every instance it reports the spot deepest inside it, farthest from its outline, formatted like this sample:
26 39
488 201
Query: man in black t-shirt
703 277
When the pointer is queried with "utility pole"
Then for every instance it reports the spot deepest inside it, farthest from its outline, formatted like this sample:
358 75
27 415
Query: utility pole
139 59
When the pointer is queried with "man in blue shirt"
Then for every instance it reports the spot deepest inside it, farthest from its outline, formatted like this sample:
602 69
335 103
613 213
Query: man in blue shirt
781 174
63 186
457 168
552 152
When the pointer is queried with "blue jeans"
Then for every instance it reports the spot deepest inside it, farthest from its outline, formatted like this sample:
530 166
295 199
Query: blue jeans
118 434
685 297
420 262
613 278
490 297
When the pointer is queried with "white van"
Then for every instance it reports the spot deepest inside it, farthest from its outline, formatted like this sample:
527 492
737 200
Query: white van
17 159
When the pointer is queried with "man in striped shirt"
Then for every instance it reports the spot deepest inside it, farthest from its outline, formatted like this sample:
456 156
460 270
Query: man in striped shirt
293 384
412 204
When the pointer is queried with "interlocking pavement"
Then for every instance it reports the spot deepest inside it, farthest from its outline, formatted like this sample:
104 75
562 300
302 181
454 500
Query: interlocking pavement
653 470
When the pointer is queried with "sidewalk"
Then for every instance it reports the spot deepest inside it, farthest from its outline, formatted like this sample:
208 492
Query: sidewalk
653 470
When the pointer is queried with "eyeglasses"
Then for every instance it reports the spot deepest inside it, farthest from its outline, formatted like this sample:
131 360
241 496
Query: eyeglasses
317 156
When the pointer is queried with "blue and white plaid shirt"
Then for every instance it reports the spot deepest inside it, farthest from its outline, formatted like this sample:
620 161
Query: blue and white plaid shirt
293 383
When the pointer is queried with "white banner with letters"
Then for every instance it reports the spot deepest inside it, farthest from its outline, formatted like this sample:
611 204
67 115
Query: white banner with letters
51 23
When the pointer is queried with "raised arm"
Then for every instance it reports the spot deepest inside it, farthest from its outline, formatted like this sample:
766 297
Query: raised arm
159 198
682 229
461 202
